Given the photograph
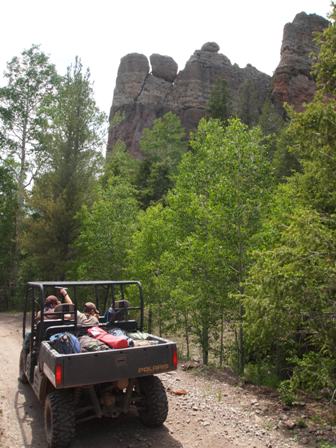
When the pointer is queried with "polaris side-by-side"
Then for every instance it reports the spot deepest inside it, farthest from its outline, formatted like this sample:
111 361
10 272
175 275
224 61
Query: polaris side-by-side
75 387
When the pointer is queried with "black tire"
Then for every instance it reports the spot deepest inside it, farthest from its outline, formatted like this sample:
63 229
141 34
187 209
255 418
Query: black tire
59 419
22 365
154 406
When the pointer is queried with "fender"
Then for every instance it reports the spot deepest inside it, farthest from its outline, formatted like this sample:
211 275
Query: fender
41 384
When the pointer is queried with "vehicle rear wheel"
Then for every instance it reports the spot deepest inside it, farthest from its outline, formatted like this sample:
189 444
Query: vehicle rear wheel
22 365
59 419
154 409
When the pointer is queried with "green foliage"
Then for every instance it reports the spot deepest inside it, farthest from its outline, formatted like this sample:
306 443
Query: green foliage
117 119
106 228
75 123
154 181
219 105
313 136
119 163
220 191
270 120
313 372
31 82
73 141
153 237
284 160
248 107
327 445
286 392
105 232
162 145
8 205
261 374
165 141
325 67
290 291
194 251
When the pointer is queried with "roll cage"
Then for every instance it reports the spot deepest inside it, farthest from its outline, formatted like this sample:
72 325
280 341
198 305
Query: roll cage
105 294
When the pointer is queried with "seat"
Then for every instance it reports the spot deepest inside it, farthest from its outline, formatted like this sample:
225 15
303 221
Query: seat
63 314
65 311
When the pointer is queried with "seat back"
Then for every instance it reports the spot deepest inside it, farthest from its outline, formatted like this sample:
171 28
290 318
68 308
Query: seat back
63 315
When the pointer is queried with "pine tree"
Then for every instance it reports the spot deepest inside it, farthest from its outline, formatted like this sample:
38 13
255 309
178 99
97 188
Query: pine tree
73 145
106 227
219 105
8 206
290 292
163 146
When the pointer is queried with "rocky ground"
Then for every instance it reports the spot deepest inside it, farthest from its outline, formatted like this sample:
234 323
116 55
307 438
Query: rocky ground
219 410
205 410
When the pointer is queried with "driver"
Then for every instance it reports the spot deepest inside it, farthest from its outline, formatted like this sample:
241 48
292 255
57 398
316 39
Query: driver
50 304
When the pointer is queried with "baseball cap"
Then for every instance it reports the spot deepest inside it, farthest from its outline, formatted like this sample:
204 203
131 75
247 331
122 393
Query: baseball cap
90 306
51 301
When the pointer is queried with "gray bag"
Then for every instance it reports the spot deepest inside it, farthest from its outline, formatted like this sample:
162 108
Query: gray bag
89 344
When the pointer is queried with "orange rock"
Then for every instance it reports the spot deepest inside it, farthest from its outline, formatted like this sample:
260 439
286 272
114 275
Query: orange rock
179 392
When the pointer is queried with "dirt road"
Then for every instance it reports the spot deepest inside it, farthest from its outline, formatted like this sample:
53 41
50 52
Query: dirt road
203 412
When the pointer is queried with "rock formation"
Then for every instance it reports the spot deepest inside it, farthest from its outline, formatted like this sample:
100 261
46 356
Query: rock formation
292 80
145 91
141 94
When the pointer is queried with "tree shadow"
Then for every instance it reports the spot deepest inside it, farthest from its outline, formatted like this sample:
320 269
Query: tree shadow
29 416
124 432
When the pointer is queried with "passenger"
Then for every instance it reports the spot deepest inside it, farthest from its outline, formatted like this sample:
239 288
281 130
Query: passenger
118 312
50 304
89 317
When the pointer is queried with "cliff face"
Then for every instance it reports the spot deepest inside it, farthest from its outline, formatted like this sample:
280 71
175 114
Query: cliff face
143 93
292 80
145 90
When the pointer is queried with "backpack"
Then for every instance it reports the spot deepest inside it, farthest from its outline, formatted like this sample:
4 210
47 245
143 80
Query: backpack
65 343
89 344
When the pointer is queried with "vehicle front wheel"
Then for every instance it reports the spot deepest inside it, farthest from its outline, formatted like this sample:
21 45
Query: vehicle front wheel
153 410
22 367
59 419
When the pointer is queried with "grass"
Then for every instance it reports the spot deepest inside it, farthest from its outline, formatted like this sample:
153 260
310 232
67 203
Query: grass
219 395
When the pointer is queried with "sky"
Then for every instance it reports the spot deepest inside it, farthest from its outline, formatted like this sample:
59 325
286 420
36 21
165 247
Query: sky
101 32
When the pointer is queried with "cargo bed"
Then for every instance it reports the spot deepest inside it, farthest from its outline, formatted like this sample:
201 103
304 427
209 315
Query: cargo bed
81 369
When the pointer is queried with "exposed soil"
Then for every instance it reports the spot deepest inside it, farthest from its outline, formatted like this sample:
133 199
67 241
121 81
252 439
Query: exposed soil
205 410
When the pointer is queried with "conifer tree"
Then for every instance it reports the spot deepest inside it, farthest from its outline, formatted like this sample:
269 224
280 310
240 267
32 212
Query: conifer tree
8 208
290 292
219 105
107 226
73 143
163 146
